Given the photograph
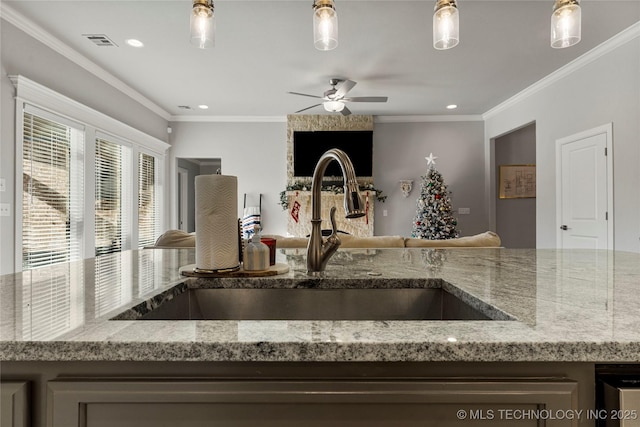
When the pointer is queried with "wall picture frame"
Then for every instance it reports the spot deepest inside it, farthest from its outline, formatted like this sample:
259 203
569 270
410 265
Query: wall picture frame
517 181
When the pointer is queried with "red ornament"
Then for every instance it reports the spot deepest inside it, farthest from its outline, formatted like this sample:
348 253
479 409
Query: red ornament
437 197
418 223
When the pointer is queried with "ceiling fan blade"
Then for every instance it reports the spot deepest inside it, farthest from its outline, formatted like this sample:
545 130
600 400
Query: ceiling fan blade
305 94
367 99
344 87
308 108
345 111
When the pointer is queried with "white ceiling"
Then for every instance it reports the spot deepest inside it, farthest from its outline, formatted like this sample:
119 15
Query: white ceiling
265 48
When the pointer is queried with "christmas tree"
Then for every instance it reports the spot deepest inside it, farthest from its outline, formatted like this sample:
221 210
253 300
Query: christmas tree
434 220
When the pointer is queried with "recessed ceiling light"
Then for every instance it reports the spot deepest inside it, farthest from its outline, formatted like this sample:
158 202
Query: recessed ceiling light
452 339
452 106
203 107
135 43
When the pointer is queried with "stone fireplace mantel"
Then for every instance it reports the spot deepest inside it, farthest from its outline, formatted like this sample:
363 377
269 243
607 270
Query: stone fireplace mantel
358 227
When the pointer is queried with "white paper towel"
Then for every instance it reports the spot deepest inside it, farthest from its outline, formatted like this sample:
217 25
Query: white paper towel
216 222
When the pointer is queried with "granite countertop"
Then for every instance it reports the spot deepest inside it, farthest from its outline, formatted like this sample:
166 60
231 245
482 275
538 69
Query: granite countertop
572 305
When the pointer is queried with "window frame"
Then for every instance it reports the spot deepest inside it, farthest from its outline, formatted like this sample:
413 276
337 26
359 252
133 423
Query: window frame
95 123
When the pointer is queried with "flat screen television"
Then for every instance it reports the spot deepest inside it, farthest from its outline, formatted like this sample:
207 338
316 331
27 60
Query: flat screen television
309 146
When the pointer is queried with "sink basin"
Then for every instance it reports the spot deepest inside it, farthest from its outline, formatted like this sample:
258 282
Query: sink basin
315 304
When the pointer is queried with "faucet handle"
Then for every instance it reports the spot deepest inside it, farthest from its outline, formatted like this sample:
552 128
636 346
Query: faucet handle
333 238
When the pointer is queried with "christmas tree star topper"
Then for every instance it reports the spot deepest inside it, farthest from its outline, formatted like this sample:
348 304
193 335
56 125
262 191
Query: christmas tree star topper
431 160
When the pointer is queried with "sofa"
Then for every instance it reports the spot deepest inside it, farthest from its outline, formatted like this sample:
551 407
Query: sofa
488 239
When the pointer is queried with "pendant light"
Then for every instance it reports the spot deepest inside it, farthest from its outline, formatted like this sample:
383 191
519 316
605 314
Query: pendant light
203 24
325 25
446 25
565 23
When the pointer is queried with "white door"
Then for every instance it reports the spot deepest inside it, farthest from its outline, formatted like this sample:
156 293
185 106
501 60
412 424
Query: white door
584 199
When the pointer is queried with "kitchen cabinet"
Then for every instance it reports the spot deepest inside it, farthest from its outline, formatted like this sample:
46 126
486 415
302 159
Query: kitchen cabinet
14 404
451 402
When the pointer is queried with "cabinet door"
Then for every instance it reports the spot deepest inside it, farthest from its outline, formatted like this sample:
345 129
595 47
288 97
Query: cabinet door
629 407
308 403
14 404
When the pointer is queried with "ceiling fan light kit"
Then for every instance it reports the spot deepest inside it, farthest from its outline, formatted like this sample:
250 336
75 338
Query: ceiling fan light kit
334 99
333 106
566 23
202 24
325 25
446 25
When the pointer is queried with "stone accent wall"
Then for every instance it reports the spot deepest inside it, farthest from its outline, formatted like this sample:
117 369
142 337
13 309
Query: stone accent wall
361 227
321 122
358 227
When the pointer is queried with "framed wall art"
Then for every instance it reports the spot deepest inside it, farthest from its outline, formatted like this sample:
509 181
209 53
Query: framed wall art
517 181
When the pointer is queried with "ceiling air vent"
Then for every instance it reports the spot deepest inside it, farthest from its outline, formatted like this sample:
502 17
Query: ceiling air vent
100 40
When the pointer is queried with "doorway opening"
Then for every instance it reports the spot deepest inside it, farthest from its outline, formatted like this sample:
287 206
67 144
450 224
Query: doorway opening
515 215
187 170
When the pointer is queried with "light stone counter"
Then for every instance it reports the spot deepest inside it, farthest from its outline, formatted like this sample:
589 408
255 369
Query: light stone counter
569 305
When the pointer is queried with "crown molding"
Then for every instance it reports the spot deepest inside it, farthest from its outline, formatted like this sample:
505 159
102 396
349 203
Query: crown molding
421 119
42 97
283 119
37 32
605 47
230 119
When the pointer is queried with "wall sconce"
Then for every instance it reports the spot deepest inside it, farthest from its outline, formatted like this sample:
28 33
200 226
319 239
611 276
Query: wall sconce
405 186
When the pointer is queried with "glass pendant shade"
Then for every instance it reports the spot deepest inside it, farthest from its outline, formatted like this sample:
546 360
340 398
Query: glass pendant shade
203 24
325 25
333 106
446 25
566 25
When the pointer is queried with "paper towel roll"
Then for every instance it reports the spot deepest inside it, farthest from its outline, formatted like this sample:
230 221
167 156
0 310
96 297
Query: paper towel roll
216 222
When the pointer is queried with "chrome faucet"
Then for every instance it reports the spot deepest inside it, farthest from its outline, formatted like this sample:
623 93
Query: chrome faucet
319 251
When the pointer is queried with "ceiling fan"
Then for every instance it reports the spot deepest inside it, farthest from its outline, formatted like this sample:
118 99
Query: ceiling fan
334 98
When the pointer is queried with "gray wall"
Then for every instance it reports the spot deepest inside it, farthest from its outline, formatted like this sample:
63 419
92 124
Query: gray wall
256 154
516 218
21 54
7 171
399 153
606 90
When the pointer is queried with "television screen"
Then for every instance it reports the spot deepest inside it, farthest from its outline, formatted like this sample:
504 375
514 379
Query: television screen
308 146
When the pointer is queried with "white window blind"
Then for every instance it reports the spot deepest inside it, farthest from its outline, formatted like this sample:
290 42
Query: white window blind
112 165
52 197
53 301
148 206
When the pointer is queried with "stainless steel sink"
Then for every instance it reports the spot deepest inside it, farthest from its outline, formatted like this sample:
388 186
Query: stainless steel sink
315 304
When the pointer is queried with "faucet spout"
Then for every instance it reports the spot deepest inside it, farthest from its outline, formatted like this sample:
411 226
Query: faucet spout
318 251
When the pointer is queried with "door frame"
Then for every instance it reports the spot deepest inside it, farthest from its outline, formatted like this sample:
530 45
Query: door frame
607 130
183 201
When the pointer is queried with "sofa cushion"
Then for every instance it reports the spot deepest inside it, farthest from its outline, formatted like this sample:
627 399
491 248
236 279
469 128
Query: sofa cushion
176 239
488 239
349 241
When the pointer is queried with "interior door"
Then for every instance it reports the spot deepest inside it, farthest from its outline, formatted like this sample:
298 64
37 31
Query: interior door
584 191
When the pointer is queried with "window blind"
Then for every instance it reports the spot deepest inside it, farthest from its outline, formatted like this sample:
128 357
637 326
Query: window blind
53 302
148 215
109 203
52 197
